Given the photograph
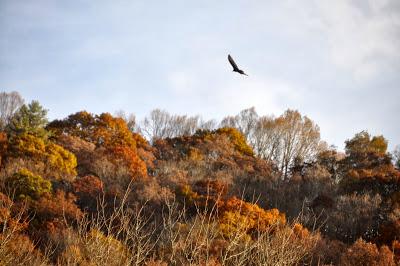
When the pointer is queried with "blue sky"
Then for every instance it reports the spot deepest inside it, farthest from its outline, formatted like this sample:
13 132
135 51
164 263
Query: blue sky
338 62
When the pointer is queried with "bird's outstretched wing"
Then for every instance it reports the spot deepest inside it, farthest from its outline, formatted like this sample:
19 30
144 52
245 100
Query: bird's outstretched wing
230 59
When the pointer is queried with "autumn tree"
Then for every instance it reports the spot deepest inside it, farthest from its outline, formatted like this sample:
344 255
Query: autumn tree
3 145
88 189
28 185
101 130
300 139
283 139
40 156
364 253
353 216
9 104
368 166
237 139
238 215
110 135
130 120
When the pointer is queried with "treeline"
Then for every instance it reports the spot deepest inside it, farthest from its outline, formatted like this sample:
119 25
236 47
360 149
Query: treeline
177 190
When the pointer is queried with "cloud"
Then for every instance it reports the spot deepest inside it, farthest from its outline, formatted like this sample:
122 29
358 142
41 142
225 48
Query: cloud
363 38
230 92
335 61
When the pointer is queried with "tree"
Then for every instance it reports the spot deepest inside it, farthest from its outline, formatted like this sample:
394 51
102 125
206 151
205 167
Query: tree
363 143
60 161
40 156
160 124
28 185
396 156
9 104
130 120
245 122
239 215
103 130
3 146
237 139
266 139
300 139
283 140
365 253
367 166
115 143
30 119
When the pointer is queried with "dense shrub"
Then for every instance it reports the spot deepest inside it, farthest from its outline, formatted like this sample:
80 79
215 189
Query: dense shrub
27 185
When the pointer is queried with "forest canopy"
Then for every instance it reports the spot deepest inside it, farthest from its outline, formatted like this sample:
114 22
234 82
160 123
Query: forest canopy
103 189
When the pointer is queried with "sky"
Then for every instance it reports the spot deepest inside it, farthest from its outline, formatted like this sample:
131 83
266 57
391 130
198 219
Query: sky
337 62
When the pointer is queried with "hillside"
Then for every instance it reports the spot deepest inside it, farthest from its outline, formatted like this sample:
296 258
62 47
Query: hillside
102 189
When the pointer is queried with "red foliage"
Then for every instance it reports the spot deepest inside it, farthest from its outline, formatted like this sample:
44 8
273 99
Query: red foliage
58 206
389 232
3 145
88 189
88 185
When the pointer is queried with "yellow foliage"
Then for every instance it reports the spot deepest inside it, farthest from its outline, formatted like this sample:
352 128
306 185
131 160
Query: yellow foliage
27 144
95 249
61 159
195 154
58 160
233 223
237 138
28 185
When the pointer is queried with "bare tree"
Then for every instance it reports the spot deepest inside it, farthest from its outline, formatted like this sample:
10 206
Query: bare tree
266 138
155 125
284 139
299 139
161 124
9 104
396 156
245 122
207 124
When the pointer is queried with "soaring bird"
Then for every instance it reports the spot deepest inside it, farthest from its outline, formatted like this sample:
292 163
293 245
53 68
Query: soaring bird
235 67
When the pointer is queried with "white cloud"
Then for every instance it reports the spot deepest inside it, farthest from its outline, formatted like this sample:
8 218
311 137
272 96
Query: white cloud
361 38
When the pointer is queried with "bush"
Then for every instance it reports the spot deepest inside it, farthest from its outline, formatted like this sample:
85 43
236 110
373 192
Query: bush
363 253
28 185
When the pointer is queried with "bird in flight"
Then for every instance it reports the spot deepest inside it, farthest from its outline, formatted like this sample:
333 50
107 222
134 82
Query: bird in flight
235 67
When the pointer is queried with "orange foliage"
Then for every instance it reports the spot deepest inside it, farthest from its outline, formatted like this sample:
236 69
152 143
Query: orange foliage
300 231
205 194
396 249
102 130
241 215
389 232
111 133
19 249
127 156
59 206
366 253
